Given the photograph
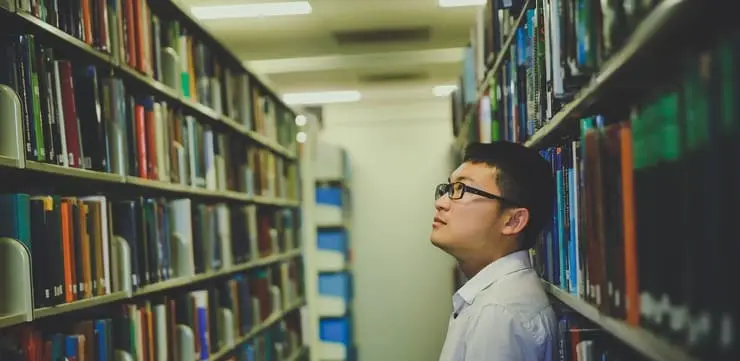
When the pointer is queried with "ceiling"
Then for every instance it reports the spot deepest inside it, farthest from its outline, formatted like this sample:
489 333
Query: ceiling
365 45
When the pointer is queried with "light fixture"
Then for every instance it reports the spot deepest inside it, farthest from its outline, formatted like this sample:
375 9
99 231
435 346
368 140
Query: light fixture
251 10
443 90
300 120
325 97
301 137
458 3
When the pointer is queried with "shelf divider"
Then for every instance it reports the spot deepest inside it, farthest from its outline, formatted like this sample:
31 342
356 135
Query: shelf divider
16 305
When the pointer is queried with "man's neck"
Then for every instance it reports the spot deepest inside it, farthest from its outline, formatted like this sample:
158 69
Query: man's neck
470 266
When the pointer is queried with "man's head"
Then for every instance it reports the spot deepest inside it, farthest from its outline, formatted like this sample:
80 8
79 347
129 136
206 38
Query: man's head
507 197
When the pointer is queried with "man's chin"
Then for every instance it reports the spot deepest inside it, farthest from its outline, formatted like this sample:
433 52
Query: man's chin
437 241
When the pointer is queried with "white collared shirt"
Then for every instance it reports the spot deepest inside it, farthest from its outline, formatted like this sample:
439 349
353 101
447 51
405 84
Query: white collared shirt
501 314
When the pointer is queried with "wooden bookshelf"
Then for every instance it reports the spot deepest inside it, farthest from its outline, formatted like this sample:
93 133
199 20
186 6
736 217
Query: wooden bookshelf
257 330
270 136
645 342
616 78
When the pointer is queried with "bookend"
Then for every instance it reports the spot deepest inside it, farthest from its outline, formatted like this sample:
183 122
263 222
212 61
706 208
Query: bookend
171 75
185 344
226 331
276 299
11 126
122 277
8 5
15 280
121 355
181 249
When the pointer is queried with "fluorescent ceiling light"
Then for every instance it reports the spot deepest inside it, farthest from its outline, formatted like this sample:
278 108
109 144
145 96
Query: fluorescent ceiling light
443 90
301 137
251 10
458 3
325 97
300 120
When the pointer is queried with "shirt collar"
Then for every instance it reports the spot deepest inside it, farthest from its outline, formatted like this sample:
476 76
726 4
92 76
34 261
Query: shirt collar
496 270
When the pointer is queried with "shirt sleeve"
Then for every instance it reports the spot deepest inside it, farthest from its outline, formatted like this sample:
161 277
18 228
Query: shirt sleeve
495 336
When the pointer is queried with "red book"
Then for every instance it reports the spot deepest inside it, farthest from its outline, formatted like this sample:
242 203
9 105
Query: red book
141 151
71 124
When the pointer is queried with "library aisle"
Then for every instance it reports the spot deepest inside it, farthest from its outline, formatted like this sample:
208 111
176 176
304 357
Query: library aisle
252 180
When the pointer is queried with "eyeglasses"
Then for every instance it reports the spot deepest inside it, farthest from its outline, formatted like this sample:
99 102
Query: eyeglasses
456 190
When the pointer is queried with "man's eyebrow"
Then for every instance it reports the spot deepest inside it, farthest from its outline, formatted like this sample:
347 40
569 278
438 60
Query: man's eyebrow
458 179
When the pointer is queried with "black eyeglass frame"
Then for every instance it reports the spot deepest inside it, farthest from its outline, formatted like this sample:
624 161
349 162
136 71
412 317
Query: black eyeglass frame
473 190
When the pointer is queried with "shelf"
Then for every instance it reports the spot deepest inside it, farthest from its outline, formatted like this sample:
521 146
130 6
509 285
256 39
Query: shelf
79 305
297 354
12 320
275 202
332 351
187 281
177 9
156 87
641 340
269 143
233 124
461 140
503 53
331 307
331 225
74 172
150 184
256 330
48 31
665 15
147 290
185 190
8 162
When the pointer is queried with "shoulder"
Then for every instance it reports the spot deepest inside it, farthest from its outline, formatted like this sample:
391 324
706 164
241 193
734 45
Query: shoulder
521 291
532 328
517 303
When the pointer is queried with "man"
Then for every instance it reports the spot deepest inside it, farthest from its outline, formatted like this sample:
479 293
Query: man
489 215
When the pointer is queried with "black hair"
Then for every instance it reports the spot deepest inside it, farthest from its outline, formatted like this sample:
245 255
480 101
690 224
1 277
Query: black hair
524 177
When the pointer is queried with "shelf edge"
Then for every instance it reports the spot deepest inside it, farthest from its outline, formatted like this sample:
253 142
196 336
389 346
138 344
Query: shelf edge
643 341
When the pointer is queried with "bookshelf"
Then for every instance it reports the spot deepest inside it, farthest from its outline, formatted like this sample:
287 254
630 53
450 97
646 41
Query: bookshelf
333 209
151 182
645 342
587 92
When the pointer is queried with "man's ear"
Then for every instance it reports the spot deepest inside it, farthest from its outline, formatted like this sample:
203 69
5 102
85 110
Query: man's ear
517 219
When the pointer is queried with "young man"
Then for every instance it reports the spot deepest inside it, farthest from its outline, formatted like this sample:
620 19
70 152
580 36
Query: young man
489 215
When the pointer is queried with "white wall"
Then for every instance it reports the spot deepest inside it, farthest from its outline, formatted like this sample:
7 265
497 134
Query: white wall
403 285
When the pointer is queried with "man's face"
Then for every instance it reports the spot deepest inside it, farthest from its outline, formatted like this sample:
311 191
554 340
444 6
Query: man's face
465 225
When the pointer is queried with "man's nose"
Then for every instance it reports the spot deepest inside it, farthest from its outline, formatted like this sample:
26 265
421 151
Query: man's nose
442 203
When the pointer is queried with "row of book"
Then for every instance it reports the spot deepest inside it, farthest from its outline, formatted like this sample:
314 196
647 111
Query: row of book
75 116
190 326
579 340
70 240
163 48
493 25
556 50
644 210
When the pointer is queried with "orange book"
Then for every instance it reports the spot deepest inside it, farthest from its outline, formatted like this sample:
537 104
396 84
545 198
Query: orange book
87 24
631 285
70 286
141 148
149 325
